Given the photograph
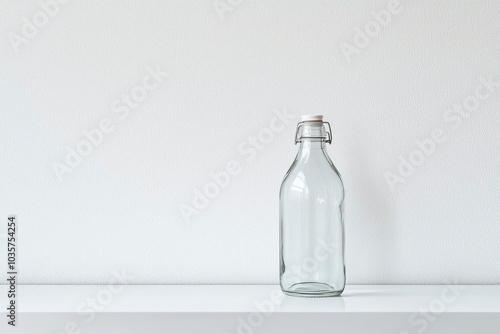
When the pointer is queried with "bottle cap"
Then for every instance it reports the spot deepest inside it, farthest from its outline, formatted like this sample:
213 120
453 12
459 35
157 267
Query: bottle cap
311 118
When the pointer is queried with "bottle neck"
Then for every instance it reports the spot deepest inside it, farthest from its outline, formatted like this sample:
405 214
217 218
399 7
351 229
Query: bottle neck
312 133
310 144
312 137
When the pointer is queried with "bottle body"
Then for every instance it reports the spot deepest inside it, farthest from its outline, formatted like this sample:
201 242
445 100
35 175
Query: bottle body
311 221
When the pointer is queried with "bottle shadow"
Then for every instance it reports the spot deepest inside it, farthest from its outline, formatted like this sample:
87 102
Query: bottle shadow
367 293
374 213
299 304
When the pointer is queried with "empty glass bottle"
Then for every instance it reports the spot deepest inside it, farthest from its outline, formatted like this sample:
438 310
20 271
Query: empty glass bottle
311 217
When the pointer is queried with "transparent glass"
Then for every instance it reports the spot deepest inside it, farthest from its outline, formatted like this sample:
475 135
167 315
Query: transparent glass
311 220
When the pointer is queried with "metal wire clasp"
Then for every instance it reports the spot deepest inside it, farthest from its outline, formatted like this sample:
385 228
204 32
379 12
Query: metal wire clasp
328 133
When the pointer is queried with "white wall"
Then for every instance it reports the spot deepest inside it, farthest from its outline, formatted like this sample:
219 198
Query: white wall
119 209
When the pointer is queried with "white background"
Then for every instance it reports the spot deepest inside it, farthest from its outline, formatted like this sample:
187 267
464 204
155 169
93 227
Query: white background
119 210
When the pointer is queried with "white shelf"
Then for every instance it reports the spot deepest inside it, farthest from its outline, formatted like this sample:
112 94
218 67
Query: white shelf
221 309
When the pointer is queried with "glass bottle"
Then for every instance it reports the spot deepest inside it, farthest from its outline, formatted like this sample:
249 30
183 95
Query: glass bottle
311 217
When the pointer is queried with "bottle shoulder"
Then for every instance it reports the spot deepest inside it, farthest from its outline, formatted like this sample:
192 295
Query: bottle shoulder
314 175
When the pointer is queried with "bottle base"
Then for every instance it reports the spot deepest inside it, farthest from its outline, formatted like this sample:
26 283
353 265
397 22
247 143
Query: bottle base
311 290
